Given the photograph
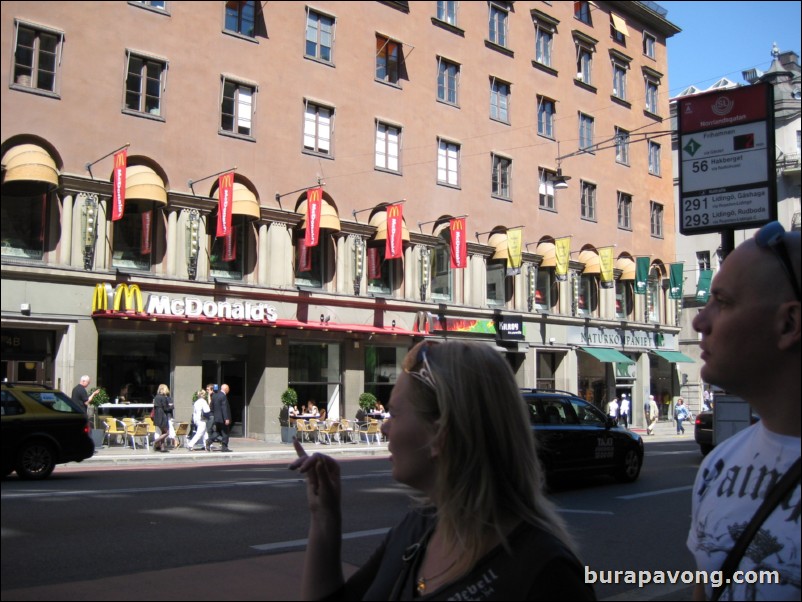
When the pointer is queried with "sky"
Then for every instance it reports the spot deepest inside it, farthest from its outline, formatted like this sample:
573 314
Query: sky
722 39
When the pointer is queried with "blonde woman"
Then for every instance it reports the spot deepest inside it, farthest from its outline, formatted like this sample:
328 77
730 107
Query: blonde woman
162 412
200 414
458 433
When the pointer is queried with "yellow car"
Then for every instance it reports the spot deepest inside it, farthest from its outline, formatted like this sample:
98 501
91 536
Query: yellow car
41 427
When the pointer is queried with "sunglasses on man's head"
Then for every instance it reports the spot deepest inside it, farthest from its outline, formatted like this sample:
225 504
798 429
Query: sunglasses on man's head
772 237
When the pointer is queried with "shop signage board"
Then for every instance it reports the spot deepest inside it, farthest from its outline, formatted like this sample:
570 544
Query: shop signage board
727 163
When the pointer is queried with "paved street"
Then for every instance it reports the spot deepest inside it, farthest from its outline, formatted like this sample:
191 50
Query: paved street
175 498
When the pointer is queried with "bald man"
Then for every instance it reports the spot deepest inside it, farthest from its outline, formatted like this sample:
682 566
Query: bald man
750 343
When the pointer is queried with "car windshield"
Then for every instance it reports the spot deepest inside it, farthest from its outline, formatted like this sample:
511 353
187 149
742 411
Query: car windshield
55 400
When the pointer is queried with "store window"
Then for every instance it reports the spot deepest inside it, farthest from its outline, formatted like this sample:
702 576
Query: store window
654 296
546 370
624 299
441 273
547 290
314 265
588 297
384 275
314 373
132 364
498 290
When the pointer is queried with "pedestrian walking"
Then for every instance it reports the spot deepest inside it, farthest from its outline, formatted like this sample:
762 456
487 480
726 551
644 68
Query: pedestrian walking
681 414
200 414
623 410
652 414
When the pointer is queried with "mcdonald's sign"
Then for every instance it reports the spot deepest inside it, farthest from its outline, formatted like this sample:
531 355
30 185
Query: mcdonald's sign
314 205
128 298
459 243
225 203
394 232
100 298
118 192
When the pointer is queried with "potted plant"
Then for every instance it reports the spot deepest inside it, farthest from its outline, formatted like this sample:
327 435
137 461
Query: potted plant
97 433
367 401
289 399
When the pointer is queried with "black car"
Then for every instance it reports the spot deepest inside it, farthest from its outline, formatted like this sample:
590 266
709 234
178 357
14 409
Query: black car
703 430
41 427
575 437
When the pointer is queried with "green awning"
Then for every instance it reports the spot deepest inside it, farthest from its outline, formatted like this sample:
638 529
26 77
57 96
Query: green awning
606 354
675 357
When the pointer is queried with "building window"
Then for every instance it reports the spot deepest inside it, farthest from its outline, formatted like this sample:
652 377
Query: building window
388 146
133 236
547 290
624 299
383 274
447 12
311 262
582 12
620 80
441 273
447 81
227 253
618 29
585 132
651 95
654 158
703 260
584 64
545 117
241 17
624 211
621 146
497 27
24 226
656 219
319 36
588 201
546 179
447 163
496 295
318 129
236 110
649 43
153 4
588 295
654 296
144 84
499 100
37 57
388 60
544 38
501 177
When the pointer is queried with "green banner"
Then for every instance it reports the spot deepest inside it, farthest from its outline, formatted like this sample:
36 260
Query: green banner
676 281
703 286
641 275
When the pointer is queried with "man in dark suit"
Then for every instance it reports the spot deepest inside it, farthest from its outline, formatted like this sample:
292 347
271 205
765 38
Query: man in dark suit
222 418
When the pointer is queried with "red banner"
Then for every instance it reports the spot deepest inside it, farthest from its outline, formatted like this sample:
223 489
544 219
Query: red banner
230 246
225 203
147 227
303 255
314 204
395 221
118 192
374 264
459 244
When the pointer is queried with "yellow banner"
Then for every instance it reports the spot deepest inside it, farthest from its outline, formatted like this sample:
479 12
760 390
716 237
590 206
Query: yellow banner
514 238
606 260
562 252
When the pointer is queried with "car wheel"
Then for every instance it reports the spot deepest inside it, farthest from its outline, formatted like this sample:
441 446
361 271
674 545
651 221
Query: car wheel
629 469
705 448
36 460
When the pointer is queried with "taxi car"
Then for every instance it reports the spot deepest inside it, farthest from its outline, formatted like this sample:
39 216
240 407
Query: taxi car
41 427
574 436
703 430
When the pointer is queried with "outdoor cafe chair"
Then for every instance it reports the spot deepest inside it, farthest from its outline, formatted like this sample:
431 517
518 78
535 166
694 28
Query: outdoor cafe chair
370 431
328 433
139 429
305 433
115 428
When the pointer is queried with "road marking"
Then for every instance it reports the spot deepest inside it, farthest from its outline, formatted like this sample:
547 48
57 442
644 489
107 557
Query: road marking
635 496
301 543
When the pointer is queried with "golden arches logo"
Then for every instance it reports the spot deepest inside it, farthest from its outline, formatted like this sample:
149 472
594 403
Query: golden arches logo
128 298
119 160
394 211
314 194
227 180
100 298
458 224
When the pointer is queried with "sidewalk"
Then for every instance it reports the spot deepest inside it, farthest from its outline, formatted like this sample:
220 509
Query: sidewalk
244 449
